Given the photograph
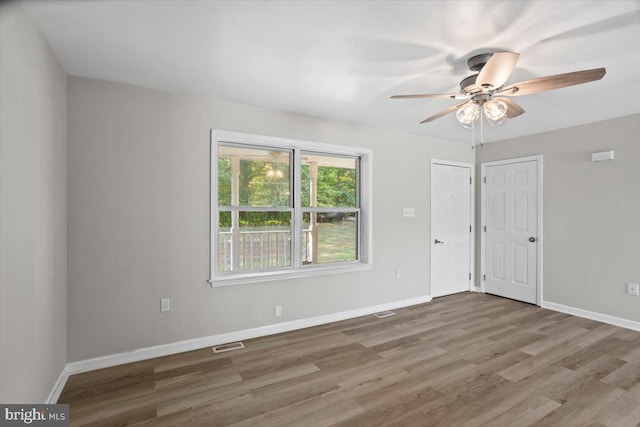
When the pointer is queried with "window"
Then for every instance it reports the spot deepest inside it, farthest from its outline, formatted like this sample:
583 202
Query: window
330 208
286 208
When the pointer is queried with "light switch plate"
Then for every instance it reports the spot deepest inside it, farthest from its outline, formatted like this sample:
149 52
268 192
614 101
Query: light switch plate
409 212
603 155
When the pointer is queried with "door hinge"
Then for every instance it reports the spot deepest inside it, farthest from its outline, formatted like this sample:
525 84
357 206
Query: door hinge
485 228
484 179
484 277
469 276
469 229
470 180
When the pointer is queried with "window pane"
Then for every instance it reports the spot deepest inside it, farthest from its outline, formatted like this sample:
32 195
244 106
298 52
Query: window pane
224 181
329 237
336 181
263 239
264 177
224 241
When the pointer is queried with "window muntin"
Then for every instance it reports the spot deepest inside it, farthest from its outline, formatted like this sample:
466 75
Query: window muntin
281 209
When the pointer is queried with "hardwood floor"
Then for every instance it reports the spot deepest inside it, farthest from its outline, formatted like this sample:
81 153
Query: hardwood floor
462 360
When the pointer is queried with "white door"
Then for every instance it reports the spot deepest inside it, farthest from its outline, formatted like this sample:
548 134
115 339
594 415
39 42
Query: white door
450 229
511 234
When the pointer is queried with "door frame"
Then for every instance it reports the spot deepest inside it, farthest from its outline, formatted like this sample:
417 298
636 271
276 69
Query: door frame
472 214
539 237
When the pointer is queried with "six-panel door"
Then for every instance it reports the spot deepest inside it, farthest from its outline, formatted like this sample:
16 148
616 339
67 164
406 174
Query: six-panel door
511 197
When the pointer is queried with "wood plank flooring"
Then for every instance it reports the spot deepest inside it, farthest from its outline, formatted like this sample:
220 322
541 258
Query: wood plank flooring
463 360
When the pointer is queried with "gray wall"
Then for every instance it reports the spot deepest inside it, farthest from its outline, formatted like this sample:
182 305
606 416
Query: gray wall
139 219
591 213
33 252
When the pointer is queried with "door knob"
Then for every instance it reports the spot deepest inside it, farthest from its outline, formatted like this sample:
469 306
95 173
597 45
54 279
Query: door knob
437 241
532 239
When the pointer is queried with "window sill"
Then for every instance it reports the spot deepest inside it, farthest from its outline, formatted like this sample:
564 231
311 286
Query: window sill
320 270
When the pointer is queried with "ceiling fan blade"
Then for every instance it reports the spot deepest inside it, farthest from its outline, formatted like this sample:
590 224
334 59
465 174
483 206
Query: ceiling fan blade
497 70
428 95
513 109
443 113
553 82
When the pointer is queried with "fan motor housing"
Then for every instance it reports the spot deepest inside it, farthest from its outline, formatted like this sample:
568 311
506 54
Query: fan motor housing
476 62
468 84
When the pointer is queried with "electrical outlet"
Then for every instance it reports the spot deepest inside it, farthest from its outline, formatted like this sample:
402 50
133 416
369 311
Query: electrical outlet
398 274
165 304
278 310
633 288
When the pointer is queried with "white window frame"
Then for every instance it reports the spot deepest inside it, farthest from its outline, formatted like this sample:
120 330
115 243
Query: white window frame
297 270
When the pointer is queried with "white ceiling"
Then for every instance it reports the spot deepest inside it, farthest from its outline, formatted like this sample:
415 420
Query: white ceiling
342 60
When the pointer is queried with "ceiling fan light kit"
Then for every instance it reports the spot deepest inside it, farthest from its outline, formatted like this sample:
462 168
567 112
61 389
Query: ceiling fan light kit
494 69
468 114
495 110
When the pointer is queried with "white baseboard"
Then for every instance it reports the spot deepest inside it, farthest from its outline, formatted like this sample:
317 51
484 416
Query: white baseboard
210 341
604 318
58 386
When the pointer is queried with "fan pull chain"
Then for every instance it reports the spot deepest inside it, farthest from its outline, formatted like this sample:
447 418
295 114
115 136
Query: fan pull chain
481 135
473 135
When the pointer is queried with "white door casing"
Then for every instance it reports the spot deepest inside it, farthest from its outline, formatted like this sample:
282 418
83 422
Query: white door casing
451 232
512 228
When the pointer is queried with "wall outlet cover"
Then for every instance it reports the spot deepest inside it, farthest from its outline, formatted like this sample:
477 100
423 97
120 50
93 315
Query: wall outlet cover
633 288
165 304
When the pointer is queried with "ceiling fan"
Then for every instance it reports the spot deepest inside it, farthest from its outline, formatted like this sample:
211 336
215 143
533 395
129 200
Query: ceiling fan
485 92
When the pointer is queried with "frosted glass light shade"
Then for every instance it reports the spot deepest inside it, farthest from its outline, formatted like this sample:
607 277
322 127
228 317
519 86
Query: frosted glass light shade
493 123
495 109
467 114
